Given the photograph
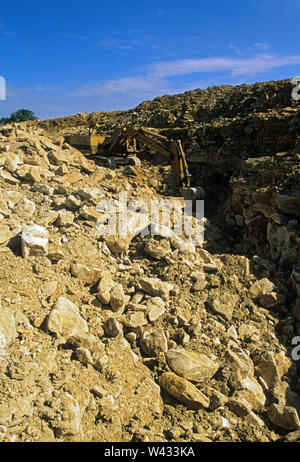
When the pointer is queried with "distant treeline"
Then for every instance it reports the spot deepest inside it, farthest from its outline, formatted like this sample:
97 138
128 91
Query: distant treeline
19 116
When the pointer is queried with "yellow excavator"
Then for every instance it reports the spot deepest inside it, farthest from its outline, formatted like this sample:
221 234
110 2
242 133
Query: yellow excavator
122 146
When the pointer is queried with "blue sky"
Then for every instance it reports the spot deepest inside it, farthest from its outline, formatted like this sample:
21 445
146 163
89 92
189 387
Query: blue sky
63 57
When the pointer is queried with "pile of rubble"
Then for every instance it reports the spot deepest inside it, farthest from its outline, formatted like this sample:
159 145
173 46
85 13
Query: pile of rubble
145 337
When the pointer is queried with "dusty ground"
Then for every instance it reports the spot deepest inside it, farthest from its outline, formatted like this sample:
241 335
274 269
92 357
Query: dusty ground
150 338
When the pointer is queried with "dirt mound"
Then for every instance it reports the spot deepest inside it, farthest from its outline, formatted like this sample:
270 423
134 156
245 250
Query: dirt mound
140 337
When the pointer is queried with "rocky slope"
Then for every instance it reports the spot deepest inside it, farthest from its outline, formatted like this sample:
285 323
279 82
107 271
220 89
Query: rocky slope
150 338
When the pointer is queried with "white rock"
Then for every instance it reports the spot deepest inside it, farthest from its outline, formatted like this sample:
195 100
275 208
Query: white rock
34 240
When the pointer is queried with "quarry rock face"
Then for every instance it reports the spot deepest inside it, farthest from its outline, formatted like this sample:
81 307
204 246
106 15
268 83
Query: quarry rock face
129 336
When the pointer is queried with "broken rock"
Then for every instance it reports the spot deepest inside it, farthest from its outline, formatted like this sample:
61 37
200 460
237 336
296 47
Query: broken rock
34 240
155 308
183 390
154 286
118 299
64 319
154 341
284 416
223 304
85 274
104 288
193 366
157 249
7 328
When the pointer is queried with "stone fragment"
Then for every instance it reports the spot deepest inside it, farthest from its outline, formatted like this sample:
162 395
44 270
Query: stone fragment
196 367
284 416
7 329
209 265
148 391
157 249
8 178
99 391
64 319
292 437
62 170
84 356
183 391
118 299
12 162
59 157
25 208
184 247
31 173
89 213
117 244
216 398
89 166
239 407
199 281
47 218
83 340
266 367
97 173
70 178
55 252
34 240
68 421
155 308
154 341
65 218
239 360
11 198
104 288
89 194
223 304
134 319
5 234
156 287
269 300
260 288
137 297
112 327
232 333
72 202
85 274
130 224
253 393
49 288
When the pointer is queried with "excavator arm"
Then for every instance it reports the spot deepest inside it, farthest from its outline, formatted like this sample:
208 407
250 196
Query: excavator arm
170 148
123 143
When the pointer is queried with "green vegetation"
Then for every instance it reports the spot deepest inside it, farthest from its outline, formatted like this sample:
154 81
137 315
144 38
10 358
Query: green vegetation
19 116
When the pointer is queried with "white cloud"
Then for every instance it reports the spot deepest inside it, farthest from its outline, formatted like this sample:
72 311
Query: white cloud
155 79
261 45
158 78
236 66
135 84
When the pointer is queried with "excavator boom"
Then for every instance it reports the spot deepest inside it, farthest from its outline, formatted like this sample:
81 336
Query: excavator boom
123 143
119 142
